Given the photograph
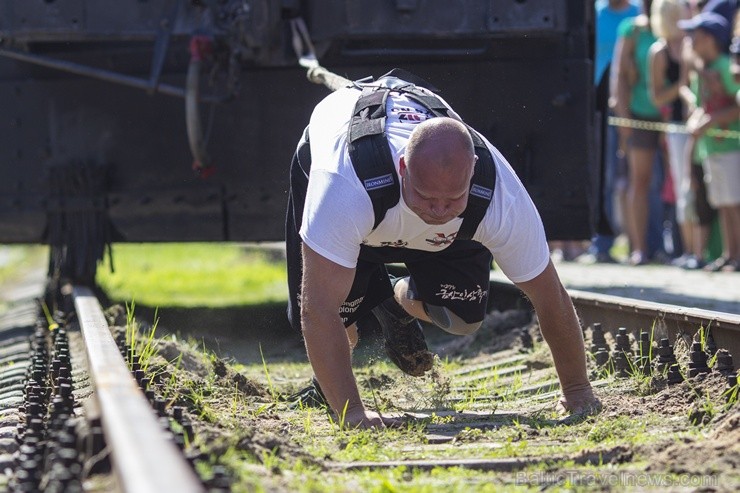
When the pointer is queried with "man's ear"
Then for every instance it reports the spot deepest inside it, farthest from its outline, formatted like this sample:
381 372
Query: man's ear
402 166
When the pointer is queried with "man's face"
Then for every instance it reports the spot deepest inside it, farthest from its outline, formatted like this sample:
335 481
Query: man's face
437 195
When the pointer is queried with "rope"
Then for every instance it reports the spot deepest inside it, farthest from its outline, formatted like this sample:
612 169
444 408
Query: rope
306 54
669 127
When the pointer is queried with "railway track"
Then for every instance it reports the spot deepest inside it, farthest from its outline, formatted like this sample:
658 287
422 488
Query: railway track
665 320
76 401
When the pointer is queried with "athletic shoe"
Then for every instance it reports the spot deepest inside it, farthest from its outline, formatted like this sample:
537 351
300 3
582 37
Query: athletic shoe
693 263
637 258
682 260
719 265
403 336
311 396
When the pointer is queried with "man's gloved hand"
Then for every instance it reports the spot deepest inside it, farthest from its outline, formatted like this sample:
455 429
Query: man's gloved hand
580 400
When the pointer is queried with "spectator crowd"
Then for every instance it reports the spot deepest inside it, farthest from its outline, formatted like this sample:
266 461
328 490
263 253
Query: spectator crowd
667 77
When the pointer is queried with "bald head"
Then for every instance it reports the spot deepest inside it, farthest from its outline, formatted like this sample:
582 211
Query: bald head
440 143
436 170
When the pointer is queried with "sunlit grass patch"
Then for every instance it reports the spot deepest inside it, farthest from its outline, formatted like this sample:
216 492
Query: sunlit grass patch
194 274
15 259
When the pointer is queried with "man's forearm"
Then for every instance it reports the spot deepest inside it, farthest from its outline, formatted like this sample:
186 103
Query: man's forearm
561 330
330 357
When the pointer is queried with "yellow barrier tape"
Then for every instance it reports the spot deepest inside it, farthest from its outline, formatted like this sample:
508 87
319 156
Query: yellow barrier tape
668 127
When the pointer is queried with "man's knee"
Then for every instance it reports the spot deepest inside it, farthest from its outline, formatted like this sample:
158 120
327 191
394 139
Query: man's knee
448 321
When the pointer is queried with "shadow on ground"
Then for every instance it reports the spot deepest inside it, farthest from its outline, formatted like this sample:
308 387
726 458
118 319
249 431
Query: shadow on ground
232 332
240 332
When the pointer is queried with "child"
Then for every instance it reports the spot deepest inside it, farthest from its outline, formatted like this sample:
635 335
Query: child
715 89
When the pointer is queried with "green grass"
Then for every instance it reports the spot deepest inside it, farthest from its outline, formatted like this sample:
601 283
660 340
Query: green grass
267 444
15 259
194 274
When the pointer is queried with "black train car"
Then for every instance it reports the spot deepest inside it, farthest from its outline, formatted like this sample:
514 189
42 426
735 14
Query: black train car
94 143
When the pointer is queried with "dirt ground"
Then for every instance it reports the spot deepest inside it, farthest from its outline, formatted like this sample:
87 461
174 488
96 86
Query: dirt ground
483 420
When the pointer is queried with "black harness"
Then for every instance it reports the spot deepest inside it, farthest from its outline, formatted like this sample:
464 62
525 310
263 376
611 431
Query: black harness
373 162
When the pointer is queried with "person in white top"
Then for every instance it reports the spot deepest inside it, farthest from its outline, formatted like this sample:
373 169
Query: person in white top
336 257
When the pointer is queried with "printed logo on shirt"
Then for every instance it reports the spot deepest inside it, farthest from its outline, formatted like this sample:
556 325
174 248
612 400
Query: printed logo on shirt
395 244
482 192
378 182
451 292
441 239
410 115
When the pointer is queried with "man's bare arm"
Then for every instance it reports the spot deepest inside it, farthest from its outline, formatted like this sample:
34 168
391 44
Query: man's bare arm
325 287
562 332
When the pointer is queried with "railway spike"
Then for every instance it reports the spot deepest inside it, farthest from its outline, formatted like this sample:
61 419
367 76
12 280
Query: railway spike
710 346
724 362
623 341
731 391
621 364
597 338
674 374
642 361
666 357
698 365
602 357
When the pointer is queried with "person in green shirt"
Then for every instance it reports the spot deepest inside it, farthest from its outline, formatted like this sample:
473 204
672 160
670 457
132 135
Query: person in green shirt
716 92
632 100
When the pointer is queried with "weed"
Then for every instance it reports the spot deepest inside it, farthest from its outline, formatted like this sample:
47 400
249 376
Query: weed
171 389
471 396
703 334
703 412
270 387
441 420
145 348
731 396
306 411
618 428
343 416
468 435
271 460
262 409
514 448
235 401
148 347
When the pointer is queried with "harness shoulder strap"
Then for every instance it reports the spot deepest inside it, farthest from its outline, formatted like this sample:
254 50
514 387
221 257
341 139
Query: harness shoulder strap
483 181
370 152
373 162
482 186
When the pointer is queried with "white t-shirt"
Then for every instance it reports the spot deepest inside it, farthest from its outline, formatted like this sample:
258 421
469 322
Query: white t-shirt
338 215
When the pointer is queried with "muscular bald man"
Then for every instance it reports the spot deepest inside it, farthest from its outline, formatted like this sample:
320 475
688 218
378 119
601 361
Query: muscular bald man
387 172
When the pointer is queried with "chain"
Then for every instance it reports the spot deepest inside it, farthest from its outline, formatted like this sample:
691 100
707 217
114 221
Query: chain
669 127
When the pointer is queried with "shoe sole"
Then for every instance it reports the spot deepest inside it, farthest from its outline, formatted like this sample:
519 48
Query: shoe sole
414 364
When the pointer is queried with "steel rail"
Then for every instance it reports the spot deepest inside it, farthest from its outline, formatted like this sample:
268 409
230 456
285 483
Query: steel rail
612 312
144 460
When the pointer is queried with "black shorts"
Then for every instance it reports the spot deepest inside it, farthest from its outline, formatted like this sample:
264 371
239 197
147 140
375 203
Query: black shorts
644 139
704 211
456 278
